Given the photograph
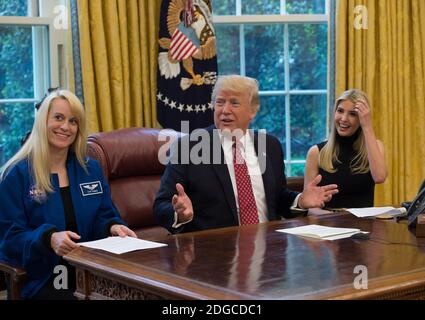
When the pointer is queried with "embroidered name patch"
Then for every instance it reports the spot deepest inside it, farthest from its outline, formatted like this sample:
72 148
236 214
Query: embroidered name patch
91 188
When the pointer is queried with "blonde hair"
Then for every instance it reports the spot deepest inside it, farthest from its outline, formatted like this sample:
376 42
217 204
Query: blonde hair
36 148
328 156
239 84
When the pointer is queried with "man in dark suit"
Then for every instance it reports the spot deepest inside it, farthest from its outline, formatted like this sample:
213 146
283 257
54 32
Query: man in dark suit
228 175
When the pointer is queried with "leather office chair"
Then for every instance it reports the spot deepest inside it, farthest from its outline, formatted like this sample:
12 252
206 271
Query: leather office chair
129 158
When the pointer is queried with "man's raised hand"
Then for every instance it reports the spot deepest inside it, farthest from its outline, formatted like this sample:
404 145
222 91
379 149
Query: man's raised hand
182 205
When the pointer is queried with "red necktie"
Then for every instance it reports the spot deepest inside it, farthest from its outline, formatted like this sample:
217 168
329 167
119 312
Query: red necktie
247 207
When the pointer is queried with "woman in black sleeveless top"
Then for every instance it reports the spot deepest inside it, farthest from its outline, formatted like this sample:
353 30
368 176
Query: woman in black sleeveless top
352 157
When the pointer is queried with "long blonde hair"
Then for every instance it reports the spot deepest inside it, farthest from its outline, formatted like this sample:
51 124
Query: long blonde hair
36 148
328 156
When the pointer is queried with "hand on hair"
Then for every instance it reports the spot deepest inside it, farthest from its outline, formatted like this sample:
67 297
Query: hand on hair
364 113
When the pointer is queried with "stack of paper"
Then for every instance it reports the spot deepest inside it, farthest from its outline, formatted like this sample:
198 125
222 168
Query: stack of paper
376 211
321 232
120 245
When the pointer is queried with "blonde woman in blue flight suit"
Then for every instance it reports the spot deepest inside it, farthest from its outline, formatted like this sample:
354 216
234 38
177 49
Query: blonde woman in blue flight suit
52 196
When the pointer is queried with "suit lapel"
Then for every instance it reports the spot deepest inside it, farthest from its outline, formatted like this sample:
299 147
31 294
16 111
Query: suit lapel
263 160
223 175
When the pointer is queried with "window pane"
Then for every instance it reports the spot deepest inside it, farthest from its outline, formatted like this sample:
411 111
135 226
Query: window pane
13 7
308 123
15 121
260 6
16 61
308 44
264 55
306 6
297 169
224 7
271 117
228 52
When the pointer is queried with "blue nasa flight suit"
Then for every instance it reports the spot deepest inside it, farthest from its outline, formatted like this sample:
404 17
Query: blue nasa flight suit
23 221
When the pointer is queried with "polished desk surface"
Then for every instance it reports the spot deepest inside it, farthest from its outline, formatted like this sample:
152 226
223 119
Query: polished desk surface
223 264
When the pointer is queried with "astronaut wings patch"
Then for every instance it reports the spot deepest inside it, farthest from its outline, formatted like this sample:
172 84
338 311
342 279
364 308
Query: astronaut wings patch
91 188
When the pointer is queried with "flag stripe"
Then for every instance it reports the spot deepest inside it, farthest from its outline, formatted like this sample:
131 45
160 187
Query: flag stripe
175 40
182 43
186 51
181 47
177 36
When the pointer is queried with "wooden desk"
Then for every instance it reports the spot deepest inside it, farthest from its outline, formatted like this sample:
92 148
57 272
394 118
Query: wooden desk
206 265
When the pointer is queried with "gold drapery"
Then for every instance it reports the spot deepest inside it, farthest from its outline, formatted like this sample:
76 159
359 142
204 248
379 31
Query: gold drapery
387 61
118 48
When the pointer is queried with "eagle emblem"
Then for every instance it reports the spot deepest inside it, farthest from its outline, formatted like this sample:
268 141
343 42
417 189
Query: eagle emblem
191 36
90 187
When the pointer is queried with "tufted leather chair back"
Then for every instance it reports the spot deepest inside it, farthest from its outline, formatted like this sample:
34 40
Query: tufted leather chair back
129 158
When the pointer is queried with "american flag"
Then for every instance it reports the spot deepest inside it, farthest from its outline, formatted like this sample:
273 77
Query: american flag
184 43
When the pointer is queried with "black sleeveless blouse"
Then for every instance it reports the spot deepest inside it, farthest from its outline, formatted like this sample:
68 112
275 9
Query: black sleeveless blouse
355 190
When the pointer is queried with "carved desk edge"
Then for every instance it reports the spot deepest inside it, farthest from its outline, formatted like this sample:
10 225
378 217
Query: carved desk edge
409 286
96 280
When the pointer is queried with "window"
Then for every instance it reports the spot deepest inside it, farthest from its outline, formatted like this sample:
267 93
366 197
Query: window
283 44
29 46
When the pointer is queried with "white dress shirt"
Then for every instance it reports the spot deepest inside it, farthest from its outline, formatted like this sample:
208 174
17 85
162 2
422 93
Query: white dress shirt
250 155
251 160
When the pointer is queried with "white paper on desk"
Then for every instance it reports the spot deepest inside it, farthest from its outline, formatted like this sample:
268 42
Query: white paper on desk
120 245
321 232
373 211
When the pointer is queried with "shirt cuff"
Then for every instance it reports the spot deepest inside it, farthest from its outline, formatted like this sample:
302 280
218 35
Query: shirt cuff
295 208
295 203
178 225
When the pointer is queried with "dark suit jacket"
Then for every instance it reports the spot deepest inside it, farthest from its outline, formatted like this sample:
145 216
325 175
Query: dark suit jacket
209 186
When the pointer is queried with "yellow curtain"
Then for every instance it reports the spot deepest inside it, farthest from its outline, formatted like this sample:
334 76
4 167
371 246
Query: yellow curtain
387 61
118 48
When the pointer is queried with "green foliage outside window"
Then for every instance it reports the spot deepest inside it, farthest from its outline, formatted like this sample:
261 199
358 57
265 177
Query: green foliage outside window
16 79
